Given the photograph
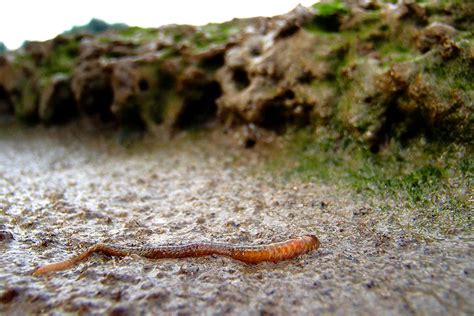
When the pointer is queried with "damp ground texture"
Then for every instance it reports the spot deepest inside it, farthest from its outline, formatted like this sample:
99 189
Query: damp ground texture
63 189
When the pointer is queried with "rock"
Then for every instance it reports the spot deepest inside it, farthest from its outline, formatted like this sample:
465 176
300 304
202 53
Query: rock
362 67
8 295
434 34
37 50
6 236
10 79
92 88
121 310
264 89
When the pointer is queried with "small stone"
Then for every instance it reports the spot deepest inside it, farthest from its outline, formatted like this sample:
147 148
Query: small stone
159 297
362 211
121 310
369 285
6 236
8 295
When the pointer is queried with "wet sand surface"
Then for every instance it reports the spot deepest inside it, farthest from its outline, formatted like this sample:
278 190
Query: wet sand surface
64 189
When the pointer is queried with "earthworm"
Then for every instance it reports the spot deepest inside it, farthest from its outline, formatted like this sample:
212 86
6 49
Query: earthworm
274 252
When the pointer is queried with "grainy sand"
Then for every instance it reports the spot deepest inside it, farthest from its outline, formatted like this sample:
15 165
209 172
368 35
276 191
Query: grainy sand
66 188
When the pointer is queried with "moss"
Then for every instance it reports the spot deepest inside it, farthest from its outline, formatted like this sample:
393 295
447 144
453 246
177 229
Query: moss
23 60
168 52
456 73
457 13
327 16
137 33
330 8
26 110
393 52
61 60
429 183
375 105
213 34
449 106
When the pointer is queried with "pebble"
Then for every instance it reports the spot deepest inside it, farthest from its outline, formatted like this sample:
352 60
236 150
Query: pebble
6 236
8 295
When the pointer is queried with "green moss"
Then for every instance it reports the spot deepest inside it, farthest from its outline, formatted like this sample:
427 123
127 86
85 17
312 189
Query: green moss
168 52
23 60
393 52
327 16
454 73
26 110
330 8
213 34
135 31
61 60
430 183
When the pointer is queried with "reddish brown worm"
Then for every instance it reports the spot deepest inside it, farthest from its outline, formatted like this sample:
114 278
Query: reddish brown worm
274 252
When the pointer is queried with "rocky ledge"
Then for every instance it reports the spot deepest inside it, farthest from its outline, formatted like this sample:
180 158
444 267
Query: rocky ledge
370 69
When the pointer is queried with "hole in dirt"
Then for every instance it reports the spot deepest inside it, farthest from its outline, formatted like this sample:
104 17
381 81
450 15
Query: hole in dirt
199 105
241 78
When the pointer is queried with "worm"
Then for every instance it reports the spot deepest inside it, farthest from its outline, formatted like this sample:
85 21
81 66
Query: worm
274 252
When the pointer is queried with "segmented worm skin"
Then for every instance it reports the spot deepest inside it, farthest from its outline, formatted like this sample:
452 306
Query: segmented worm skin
274 252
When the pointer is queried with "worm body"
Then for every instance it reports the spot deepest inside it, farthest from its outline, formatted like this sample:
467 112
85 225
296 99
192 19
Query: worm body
274 252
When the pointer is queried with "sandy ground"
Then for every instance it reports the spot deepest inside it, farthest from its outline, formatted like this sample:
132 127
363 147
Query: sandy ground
64 189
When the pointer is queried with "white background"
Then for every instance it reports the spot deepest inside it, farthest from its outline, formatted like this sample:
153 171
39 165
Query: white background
43 19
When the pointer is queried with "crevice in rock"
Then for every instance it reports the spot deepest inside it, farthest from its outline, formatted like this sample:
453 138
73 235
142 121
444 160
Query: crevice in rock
62 104
97 98
306 77
199 105
328 23
6 104
241 78
282 112
396 122
288 95
274 116
287 31
143 84
213 62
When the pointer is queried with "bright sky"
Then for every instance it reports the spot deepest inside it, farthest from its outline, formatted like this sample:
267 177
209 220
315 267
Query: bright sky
43 19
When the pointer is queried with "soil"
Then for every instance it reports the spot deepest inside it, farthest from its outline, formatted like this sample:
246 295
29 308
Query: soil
65 188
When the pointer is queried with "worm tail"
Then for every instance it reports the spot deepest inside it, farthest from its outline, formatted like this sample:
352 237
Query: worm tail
69 263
